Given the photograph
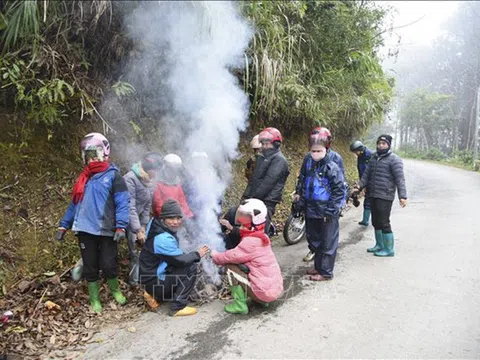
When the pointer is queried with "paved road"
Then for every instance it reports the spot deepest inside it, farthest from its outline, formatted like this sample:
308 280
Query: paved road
424 303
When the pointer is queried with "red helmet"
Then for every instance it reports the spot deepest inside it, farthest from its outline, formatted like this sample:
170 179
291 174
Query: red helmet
270 134
321 135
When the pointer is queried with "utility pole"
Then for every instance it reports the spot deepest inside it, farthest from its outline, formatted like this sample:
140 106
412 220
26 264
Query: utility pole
475 139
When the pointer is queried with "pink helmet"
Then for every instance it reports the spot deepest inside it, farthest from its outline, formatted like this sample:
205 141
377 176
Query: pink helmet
98 142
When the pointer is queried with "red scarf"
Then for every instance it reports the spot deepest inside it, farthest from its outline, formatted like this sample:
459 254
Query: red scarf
258 232
93 168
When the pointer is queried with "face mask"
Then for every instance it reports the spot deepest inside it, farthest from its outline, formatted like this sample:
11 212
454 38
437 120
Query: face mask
316 156
382 151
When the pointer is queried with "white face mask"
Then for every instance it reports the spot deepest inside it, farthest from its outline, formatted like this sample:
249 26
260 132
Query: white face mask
317 156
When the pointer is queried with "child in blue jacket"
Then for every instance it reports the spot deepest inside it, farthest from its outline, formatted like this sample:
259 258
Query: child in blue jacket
98 214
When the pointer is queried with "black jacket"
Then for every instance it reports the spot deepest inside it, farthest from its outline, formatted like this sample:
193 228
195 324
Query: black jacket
269 177
383 176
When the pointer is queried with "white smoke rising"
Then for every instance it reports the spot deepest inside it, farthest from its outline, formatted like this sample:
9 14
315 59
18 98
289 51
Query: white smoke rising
187 52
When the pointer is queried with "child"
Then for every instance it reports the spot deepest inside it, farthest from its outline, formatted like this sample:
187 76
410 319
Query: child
98 214
252 268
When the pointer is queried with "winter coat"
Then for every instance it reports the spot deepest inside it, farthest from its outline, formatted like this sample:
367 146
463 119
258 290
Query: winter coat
104 207
265 276
321 187
362 161
250 168
163 192
269 177
337 159
383 176
161 252
140 201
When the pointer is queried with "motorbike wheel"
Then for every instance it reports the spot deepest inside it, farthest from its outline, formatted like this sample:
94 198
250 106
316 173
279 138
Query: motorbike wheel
294 230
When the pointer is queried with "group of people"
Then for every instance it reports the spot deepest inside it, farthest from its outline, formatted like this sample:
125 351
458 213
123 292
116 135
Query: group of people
150 204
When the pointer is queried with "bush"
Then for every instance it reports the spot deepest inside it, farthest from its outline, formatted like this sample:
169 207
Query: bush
435 154
464 156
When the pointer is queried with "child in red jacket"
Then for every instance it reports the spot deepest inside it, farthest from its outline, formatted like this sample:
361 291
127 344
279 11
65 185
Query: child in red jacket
170 187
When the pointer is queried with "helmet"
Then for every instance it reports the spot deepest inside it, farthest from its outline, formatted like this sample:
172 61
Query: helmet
270 134
255 144
256 209
321 135
97 143
173 161
357 145
152 161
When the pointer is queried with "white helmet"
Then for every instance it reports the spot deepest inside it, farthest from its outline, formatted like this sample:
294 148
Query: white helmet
98 144
255 144
173 161
256 209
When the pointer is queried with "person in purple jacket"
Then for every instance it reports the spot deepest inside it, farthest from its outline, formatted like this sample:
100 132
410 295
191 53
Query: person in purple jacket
98 214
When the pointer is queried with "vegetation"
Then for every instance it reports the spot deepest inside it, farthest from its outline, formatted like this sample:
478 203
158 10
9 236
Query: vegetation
438 85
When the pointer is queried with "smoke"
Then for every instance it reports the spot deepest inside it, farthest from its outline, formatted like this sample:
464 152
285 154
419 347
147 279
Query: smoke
186 52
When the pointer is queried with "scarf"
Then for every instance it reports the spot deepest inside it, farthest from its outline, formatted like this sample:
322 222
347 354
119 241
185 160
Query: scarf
141 174
259 232
91 169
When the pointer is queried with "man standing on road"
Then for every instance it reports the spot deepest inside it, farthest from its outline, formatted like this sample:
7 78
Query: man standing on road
363 158
270 174
383 176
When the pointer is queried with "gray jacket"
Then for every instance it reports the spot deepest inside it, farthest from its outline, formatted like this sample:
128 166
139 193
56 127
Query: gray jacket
140 202
383 176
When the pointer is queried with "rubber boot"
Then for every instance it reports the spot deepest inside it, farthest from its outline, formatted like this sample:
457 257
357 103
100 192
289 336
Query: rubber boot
388 243
378 242
366 217
94 295
115 291
239 305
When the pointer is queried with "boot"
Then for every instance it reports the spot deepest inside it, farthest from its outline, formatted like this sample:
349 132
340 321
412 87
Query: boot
186 311
239 305
366 217
378 242
93 294
115 291
388 246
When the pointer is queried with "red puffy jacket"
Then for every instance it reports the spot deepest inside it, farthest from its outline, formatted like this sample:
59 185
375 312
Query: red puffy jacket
164 192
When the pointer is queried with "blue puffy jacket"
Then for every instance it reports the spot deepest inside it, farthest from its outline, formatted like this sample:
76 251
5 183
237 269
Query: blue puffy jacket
362 161
160 252
321 187
104 207
337 159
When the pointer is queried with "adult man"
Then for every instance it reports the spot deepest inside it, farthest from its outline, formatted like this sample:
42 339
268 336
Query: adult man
383 176
363 158
250 165
270 174
166 271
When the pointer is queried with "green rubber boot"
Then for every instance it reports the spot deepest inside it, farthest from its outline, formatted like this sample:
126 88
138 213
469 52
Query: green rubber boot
239 305
115 291
388 242
366 217
378 242
94 295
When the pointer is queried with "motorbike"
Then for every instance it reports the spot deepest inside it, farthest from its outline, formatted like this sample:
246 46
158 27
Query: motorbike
294 229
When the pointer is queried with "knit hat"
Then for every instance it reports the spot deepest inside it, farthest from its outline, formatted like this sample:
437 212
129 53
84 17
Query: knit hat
171 208
152 161
387 138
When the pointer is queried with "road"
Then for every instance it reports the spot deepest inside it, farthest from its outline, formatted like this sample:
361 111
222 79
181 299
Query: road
423 303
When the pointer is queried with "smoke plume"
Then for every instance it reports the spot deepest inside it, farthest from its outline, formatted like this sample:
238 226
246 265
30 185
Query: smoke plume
183 72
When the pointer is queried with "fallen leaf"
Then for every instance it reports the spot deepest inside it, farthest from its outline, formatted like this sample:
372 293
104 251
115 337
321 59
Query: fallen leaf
15 329
23 285
88 324
49 274
132 329
50 305
52 339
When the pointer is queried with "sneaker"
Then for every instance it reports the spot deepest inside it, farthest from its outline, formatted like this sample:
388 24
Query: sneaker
309 257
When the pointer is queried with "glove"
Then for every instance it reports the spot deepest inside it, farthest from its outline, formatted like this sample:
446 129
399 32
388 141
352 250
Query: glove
297 209
60 235
119 235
